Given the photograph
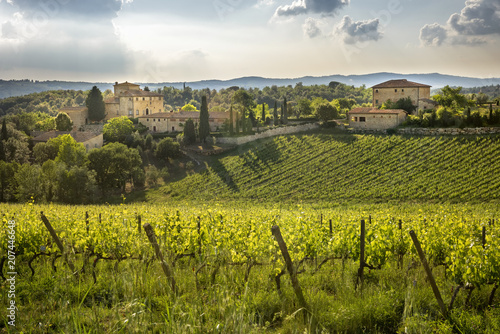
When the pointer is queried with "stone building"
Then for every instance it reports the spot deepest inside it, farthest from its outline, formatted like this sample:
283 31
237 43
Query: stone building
375 119
172 121
88 139
79 115
394 90
129 100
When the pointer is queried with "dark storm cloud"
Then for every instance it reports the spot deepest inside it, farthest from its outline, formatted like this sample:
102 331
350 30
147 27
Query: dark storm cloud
325 7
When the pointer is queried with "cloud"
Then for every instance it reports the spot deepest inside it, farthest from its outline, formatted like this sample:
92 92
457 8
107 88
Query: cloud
298 7
264 3
433 34
358 31
311 28
477 18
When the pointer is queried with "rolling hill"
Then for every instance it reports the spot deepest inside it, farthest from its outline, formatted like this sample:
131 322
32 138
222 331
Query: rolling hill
342 167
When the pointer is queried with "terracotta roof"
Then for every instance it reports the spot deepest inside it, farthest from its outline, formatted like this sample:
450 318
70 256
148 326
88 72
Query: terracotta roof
401 83
428 101
72 109
79 136
125 83
140 93
186 115
112 100
372 110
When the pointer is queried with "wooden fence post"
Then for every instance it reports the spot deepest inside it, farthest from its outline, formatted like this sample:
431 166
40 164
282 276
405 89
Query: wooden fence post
293 276
432 281
361 254
58 242
164 265
139 220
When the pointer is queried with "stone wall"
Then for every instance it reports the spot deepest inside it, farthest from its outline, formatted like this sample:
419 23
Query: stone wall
266 134
434 131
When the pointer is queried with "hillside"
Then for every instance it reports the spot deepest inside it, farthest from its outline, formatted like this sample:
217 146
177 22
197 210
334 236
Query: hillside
341 168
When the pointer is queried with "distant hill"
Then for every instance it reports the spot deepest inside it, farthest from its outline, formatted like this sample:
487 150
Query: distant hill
22 87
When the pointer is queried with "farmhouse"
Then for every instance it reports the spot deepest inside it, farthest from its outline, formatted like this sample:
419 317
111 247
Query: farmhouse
375 119
174 121
129 100
394 90
89 139
79 115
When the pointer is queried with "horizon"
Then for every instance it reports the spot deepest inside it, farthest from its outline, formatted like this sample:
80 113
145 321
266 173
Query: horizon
195 40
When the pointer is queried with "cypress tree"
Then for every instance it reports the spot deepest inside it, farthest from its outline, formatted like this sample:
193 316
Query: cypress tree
275 113
263 116
282 114
243 122
95 105
237 123
285 112
189 132
204 129
231 121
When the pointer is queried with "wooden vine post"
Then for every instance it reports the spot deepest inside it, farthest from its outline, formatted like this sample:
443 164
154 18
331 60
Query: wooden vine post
428 271
164 265
58 242
361 253
293 276
139 219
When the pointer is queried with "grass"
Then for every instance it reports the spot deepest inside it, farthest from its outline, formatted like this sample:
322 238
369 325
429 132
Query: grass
136 298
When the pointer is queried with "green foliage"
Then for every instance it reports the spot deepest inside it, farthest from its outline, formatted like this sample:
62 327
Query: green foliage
155 175
63 122
114 165
45 151
7 181
189 132
326 112
28 179
76 185
117 129
95 105
69 151
404 103
275 114
204 130
451 97
323 167
167 148
304 107
189 107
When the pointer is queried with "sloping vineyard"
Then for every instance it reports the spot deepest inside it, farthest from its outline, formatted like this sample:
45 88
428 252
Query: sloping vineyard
353 167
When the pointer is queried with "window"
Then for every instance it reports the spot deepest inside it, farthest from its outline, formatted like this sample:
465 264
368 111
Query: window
143 99
154 119
395 91
355 119
131 113
362 119
376 90
147 119
137 112
173 128
402 89
376 101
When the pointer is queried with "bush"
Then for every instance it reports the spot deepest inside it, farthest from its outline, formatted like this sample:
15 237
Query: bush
167 148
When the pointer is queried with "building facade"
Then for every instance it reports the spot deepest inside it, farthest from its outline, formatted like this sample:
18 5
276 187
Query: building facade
394 90
376 119
174 121
131 101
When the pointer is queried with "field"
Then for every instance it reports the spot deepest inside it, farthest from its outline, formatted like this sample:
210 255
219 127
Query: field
350 168
224 271
229 271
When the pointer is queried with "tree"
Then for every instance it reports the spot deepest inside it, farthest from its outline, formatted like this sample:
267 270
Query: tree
63 122
189 107
4 134
7 180
275 113
189 132
167 148
263 115
304 107
231 121
95 105
71 152
326 112
285 111
153 175
204 130
76 185
451 97
28 179
45 151
114 165
117 129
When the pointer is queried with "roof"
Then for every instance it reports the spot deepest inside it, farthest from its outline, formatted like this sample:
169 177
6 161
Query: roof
371 110
401 83
72 109
126 83
79 136
428 101
139 93
187 115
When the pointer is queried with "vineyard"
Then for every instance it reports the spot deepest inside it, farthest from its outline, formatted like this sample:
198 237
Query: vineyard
224 271
360 168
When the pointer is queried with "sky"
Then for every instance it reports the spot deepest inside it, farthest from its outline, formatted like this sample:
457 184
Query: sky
190 40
